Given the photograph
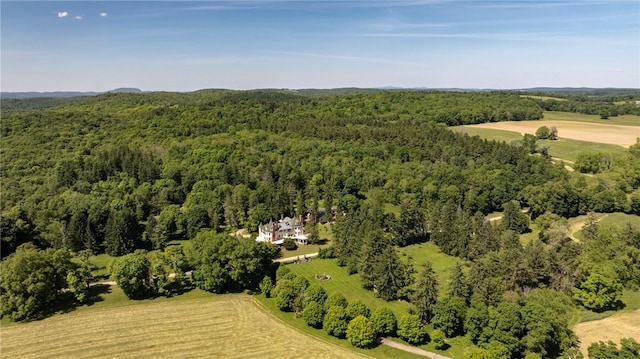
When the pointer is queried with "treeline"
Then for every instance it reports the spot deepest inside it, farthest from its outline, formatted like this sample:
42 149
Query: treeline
605 103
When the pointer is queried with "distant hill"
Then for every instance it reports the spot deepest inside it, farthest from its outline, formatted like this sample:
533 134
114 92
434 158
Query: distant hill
62 94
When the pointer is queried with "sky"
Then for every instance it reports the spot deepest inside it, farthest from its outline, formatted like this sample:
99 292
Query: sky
191 45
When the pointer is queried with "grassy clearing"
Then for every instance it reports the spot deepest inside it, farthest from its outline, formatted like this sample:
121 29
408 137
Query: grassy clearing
626 120
568 149
615 220
544 98
198 324
443 264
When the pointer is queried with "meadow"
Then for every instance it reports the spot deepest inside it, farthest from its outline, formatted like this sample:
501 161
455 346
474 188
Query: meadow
197 324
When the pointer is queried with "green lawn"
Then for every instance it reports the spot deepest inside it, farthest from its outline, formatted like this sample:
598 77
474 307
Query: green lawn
616 220
631 300
621 219
101 264
342 282
626 120
443 264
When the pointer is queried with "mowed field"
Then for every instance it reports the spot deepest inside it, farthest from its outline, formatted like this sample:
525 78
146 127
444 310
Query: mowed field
584 131
204 326
615 327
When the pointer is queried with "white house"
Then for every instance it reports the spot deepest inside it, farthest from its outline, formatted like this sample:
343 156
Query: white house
276 232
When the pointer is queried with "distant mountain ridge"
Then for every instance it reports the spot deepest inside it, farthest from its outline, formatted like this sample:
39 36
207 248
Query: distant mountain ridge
71 94
63 94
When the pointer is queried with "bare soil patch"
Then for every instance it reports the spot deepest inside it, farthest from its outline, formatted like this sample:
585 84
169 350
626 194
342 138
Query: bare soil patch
584 131
613 328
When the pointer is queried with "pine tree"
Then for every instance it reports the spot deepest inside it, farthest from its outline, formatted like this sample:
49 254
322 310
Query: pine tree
373 245
458 286
390 274
426 294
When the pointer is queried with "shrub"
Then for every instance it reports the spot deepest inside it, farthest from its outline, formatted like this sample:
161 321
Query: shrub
542 133
326 252
384 321
290 244
266 286
315 293
335 322
285 295
437 337
411 330
335 299
313 315
360 332
357 308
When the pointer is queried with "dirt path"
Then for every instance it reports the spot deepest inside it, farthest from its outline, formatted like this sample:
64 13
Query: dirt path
296 258
411 349
578 226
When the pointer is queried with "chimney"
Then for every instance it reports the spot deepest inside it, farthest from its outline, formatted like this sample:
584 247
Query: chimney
274 228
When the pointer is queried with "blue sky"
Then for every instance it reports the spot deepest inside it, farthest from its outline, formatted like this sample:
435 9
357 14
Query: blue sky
185 46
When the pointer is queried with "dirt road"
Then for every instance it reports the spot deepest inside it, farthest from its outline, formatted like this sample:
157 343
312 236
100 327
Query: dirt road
411 349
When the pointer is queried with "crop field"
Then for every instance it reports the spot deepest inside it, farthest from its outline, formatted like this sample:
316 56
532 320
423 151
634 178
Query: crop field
626 120
200 325
615 327
562 148
620 135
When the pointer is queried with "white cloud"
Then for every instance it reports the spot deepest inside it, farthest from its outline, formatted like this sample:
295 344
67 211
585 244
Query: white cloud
103 14
62 14
78 17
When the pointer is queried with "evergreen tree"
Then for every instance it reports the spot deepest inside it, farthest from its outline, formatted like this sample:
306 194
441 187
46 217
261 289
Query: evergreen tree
391 275
458 286
426 294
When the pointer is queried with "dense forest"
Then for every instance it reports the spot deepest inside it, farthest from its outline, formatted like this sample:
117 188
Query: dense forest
116 173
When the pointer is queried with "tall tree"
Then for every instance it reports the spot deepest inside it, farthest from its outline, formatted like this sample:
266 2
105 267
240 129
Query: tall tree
391 274
425 295
121 232
458 286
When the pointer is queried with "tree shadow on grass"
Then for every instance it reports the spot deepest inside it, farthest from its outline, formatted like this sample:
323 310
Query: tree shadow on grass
67 301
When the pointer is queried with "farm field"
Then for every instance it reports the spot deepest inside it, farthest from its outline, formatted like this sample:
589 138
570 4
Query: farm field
194 325
615 327
563 148
626 120
621 135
